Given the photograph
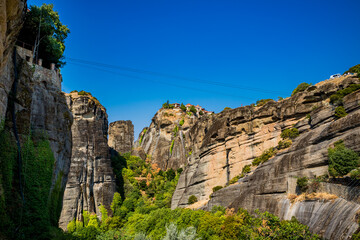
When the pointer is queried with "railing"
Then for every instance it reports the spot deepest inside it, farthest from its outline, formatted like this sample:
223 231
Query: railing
24 45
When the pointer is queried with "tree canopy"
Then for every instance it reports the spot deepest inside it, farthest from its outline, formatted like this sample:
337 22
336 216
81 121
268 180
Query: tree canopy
43 28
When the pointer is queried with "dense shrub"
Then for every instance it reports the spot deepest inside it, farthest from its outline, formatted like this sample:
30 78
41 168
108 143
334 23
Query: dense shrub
262 102
342 159
192 199
302 183
266 155
290 133
246 169
234 179
284 144
355 174
337 98
226 108
181 122
340 112
193 109
354 69
83 93
167 105
300 88
217 188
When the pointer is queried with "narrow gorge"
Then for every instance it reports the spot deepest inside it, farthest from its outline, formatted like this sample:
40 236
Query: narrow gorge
63 165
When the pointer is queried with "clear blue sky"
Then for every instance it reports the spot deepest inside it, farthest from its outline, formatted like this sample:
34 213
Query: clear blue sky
268 45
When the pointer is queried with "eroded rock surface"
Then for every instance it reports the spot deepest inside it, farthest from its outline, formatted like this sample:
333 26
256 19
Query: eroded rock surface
224 143
90 180
121 136
11 20
166 139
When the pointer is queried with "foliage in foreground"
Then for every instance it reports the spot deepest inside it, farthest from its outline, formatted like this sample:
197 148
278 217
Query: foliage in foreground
144 212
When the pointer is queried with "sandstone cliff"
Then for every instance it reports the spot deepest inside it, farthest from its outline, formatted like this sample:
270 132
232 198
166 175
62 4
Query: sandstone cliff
224 143
90 181
165 140
121 136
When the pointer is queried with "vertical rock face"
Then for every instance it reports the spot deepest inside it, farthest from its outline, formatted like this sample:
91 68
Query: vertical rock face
40 109
226 142
121 136
90 181
11 20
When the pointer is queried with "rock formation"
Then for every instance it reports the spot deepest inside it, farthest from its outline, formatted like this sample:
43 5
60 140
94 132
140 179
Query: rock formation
166 137
121 136
90 181
224 143
11 20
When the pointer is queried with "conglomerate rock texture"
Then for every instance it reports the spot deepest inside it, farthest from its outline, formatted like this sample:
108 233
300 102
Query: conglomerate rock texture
90 181
166 137
121 136
11 20
222 144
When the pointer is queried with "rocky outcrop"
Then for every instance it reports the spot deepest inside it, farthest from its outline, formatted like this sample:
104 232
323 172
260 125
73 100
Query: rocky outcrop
40 111
165 140
11 20
224 143
90 181
121 136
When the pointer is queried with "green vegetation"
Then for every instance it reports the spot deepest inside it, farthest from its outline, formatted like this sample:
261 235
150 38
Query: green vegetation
176 130
167 105
284 144
337 98
83 93
226 108
217 188
266 155
340 112
172 146
201 113
342 159
189 114
302 184
300 88
355 173
193 109
142 135
145 214
234 180
262 102
37 216
290 133
192 199
182 107
53 33
354 69
181 122
246 169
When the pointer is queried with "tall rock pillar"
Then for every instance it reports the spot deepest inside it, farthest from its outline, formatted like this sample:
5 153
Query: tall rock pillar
90 181
121 136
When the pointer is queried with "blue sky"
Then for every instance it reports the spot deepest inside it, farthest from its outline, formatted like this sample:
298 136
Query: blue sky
269 46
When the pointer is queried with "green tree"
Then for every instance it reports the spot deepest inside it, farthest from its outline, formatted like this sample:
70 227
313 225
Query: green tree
342 159
354 69
193 109
182 107
43 28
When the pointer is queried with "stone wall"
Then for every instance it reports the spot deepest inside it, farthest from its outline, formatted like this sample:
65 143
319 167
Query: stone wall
121 136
